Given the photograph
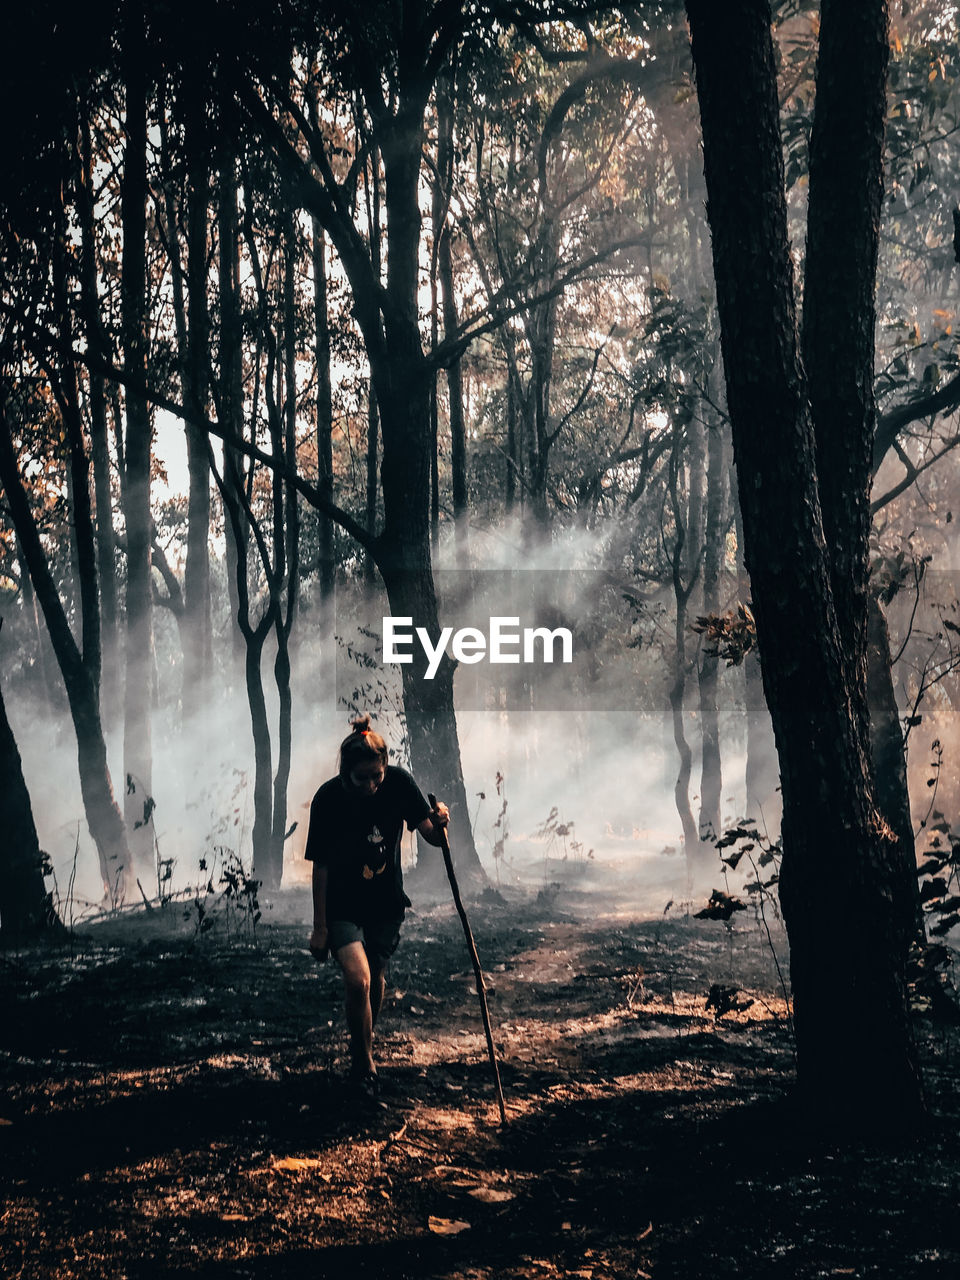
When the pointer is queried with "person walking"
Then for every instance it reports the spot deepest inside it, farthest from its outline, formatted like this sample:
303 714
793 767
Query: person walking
353 841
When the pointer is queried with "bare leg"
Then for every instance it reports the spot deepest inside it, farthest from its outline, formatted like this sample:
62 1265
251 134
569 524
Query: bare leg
378 982
357 1001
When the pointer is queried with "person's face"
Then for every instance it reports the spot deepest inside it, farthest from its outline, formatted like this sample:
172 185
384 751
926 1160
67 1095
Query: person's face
366 778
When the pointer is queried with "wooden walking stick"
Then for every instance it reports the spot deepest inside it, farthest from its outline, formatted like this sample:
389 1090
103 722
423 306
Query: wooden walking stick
472 947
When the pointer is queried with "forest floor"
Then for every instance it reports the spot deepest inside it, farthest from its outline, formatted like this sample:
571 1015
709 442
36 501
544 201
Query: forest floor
174 1102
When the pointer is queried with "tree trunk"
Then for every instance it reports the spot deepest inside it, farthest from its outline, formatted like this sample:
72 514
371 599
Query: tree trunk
25 906
325 555
889 763
137 746
838 884
281 781
103 817
388 318
512 460
839 314
541 327
197 624
711 774
403 551
286 536
235 531
373 409
458 431
839 321
762 771
677 693
41 667
263 864
696 470
373 452
99 437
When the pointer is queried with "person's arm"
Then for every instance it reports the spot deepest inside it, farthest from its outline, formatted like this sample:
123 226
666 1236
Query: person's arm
318 936
431 827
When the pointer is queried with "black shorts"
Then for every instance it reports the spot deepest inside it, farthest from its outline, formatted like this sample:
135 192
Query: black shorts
380 938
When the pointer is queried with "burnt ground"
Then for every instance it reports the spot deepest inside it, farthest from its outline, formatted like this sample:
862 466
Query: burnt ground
173 1103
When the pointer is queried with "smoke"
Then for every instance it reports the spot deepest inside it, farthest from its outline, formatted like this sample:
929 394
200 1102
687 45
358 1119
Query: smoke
583 751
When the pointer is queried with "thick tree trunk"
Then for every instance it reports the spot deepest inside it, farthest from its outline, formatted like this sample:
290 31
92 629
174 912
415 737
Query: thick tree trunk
839 320
402 380
403 557
839 881
431 721
25 906
839 313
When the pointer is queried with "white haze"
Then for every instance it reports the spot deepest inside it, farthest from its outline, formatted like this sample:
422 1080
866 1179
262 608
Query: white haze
608 769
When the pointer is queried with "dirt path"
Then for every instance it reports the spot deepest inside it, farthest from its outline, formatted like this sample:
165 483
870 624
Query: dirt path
175 1105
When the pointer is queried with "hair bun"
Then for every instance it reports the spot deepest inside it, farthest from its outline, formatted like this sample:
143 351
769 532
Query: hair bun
361 726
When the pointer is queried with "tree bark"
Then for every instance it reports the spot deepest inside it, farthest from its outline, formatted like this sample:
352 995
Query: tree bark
762 772
321 322
137 746
287 542
25 906
839 320
838 885
254 637
677 692
711 771
889 762
236 533
103 816
197 623
99 437
458 430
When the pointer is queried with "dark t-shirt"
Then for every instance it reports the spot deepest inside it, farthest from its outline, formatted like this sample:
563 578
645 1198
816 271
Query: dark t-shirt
357 838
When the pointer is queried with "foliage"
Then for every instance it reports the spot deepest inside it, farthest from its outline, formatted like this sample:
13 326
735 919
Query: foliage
731 635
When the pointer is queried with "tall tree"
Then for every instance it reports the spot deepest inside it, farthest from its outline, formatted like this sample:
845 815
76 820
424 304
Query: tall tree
138 685
711 772
840 890
80 670
99 433
390 66
197 657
